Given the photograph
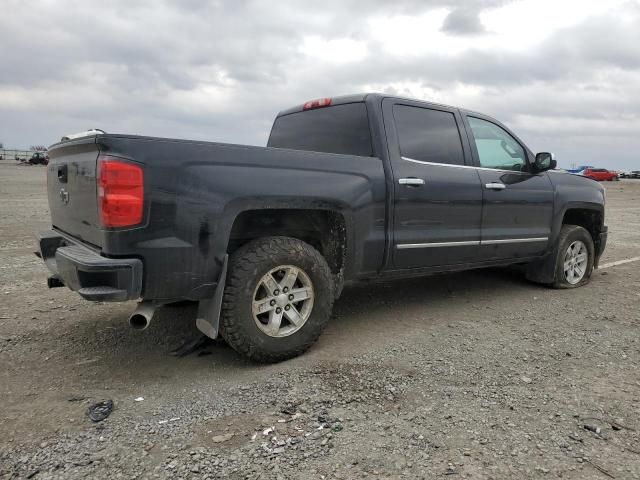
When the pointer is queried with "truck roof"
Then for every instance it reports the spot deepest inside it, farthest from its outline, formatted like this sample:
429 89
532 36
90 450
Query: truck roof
361 97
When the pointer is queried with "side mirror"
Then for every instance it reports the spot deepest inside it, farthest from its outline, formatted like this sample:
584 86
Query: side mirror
545 161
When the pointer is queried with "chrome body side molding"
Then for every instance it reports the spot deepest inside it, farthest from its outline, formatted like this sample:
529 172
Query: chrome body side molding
402 246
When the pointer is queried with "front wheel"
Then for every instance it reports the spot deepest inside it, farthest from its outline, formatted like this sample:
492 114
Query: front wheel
576 254
277 299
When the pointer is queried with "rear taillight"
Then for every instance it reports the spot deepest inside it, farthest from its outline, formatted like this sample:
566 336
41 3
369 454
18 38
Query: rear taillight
120 192
319 103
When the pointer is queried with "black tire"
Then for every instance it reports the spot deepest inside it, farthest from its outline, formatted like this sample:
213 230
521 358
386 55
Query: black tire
247 266
568 235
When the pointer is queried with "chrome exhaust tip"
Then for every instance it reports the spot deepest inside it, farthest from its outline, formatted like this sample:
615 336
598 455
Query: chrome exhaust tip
142 315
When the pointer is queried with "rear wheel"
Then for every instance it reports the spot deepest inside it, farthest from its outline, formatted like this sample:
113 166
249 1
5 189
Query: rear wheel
574 264
277 299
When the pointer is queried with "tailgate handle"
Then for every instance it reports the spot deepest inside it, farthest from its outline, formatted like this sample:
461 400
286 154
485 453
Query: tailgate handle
62 173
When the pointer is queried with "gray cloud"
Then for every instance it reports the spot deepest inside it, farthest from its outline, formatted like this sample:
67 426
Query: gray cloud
463 21
221 70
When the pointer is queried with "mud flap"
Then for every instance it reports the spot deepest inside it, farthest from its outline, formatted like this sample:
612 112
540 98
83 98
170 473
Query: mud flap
543 270
208 317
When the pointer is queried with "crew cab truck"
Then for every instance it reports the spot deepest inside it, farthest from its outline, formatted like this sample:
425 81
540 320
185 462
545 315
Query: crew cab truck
348 189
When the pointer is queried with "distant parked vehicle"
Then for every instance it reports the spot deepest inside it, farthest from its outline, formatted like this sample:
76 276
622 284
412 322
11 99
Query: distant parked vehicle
39 158
634 174
579 170
600 174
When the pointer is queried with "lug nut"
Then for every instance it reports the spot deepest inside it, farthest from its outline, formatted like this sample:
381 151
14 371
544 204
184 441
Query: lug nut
285 289
278 310
287 307
291 296
276 292
272 303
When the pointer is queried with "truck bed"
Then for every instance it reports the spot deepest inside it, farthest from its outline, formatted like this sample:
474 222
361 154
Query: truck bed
193 193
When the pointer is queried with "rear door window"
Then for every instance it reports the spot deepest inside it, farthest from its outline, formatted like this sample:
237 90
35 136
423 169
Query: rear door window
336 129
428 135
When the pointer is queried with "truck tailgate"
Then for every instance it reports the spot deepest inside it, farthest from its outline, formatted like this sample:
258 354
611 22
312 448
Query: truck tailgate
71 188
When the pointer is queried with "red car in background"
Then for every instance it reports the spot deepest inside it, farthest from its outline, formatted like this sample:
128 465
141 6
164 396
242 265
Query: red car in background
600 174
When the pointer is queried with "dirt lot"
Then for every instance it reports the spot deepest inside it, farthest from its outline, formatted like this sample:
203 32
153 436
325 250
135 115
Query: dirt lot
473 375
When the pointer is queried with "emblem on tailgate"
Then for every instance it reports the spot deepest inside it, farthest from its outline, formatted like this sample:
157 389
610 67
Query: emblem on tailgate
64 196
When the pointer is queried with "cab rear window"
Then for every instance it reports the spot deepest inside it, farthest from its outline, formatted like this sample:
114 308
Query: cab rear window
337 129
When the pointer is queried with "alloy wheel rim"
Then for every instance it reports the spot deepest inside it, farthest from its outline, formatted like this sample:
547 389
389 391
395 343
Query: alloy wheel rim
282 301
575 262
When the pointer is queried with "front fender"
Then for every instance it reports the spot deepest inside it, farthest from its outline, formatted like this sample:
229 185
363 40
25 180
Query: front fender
574 192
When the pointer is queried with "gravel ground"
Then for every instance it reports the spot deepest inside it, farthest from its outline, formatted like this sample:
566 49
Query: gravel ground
471 375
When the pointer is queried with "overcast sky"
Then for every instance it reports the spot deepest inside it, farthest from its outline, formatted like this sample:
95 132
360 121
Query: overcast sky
564 74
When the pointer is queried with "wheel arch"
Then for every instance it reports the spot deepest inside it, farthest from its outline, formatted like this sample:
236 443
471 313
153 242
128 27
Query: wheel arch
588 215
327 230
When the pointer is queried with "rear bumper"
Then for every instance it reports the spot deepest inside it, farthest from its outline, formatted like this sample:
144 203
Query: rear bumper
87 272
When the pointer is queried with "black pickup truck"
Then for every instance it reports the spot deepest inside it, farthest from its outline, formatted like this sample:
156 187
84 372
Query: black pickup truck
348 189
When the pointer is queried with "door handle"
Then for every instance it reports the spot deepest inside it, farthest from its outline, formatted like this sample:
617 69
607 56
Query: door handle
495 186
62 173
411 181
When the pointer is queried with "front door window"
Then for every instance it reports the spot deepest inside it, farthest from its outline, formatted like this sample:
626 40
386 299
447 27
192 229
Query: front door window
496 148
